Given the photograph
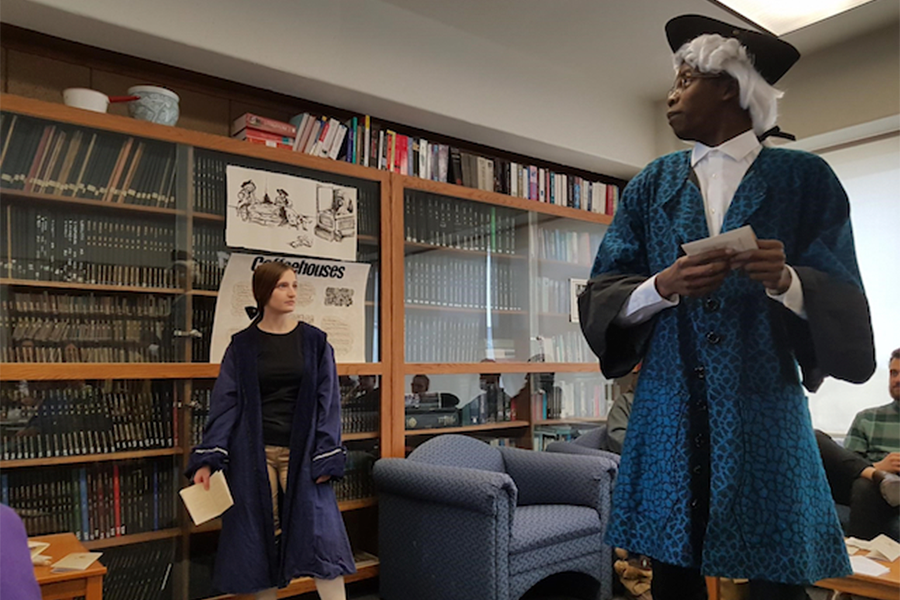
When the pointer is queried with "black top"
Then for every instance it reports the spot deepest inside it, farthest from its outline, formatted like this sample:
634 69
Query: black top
280 373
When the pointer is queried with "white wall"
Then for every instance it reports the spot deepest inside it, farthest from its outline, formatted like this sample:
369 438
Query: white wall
870 173
370 56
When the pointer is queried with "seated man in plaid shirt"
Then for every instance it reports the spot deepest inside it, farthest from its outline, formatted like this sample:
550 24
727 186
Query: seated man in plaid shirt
865 473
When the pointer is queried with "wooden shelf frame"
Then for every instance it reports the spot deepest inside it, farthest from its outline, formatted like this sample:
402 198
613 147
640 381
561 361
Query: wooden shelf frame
89 458
90 287
103 371
391 247
134 538
482 428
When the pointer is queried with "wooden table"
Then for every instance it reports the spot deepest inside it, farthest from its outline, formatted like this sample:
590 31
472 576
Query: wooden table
63 586
883 587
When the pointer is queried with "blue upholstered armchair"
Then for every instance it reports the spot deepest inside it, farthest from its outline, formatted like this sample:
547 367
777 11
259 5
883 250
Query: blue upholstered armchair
462 520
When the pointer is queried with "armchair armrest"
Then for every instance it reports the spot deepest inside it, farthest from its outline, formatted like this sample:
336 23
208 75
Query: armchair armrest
545 478
470 489
562 447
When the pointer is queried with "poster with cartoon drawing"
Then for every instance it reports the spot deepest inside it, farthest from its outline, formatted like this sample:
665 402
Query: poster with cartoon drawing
290 215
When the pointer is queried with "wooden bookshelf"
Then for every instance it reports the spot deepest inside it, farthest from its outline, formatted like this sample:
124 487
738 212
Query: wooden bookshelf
82 371
360 435
364 570
89 458
428 247
485 197
391 248
89 287
134 538
569 420
464 309
483 428
96 205
498 367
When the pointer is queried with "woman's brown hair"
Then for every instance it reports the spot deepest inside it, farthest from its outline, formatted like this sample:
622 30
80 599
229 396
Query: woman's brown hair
265 278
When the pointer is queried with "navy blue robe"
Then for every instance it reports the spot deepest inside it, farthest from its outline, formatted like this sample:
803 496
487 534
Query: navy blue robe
313 540
729 362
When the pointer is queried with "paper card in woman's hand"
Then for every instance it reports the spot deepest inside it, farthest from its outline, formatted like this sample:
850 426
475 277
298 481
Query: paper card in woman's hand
204 505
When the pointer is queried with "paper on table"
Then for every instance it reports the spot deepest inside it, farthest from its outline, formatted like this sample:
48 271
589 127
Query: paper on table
884 548
866 566
37 547
739 240
77 561
205 505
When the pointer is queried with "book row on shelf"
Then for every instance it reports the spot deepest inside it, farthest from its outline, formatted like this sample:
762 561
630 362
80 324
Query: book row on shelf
80 419
99 501
69 338
436 279
573 247
493 405
357 482
89 304
449 338
64 160
210 189
203 311
450 223
80 247
565 347
553 296
210 257
362 141
139 572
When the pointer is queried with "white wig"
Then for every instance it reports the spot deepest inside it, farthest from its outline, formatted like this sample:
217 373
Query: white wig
712 53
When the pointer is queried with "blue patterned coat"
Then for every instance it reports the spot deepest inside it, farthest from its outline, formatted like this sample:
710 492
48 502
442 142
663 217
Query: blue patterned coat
313 541
731 356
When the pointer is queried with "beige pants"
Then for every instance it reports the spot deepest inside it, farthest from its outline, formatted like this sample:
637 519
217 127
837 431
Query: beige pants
277 459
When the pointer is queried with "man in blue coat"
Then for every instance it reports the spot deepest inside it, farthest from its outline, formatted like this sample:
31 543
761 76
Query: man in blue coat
720 474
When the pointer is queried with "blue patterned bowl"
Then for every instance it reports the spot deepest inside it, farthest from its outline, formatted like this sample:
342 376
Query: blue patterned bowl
157 105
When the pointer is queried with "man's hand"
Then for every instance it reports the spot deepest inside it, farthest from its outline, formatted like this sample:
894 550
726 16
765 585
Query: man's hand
766 265
890 463
202 477
322 478
695 276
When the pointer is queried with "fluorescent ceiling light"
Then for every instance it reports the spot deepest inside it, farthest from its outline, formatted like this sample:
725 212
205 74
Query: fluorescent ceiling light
784 16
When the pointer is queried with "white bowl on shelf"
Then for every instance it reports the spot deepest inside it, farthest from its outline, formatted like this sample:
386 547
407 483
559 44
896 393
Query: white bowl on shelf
86 98
156 104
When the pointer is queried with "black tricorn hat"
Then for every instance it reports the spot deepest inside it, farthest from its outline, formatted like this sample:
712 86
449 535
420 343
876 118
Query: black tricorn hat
771 56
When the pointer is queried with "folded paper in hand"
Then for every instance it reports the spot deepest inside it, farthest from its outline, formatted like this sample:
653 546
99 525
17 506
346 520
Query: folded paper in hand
739 240
77 561
204 505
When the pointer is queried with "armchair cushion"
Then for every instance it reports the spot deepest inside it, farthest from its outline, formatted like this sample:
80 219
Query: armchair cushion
536 527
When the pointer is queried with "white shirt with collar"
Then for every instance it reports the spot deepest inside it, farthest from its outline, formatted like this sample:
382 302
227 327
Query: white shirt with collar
719 170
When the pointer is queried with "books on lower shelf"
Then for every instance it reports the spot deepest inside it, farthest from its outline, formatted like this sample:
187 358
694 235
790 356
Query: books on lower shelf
62 326
82 247
68 420
95 502
142 571
65 160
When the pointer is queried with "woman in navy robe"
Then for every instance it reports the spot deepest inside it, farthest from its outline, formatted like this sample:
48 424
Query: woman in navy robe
275 424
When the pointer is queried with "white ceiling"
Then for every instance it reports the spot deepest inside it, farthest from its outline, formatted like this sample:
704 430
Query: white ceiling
620 41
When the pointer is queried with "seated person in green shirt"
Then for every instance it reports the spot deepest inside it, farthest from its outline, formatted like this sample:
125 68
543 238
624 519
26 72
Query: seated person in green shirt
864 472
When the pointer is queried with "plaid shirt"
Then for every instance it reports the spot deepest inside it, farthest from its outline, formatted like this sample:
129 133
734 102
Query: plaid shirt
875 432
